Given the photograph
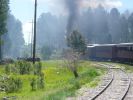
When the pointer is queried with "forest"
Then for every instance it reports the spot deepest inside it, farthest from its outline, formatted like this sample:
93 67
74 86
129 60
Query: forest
98 26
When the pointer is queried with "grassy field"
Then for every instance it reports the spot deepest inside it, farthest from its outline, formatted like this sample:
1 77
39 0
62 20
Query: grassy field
59 81
127 67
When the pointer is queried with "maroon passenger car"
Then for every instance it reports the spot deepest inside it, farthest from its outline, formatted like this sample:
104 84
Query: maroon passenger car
118 52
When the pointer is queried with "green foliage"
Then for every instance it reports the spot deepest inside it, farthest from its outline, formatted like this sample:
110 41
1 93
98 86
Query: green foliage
4 7
13 85
46 52
10 69
93 73
37 82
77 84
38 68
40 82
7 69
58 83
24 67
76 41
33 84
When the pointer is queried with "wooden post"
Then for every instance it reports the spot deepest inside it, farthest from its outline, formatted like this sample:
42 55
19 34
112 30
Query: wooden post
34 41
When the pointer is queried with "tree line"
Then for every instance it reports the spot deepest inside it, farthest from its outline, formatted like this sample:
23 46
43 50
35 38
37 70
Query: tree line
4 7
11 36
96 25
101 26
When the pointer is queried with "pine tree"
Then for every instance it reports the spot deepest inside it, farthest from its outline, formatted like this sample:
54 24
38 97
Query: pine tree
76 42
4 7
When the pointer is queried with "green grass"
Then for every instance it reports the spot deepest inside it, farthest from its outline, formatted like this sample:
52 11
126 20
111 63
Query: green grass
59 81
127 67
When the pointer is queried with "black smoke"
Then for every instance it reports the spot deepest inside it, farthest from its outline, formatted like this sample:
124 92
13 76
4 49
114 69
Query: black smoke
73 11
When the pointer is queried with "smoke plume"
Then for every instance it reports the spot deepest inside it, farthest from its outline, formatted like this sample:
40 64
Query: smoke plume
74 7
104 3
73 11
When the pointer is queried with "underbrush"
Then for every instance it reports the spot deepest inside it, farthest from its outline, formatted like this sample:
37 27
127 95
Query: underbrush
59 81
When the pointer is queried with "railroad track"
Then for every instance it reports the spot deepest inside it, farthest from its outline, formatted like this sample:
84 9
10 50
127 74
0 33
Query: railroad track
107 81
115 86
119 87
129 95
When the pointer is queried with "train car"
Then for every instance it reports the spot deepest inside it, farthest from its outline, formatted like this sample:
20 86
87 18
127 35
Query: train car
114 52
125 52
105 52
102 52
91 52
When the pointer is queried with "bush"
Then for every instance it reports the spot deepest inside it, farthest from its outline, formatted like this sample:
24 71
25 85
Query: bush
24 67
46 52
40 84
93 73
77 84
10 69
7 69
33 84
13 85
38 68
37 82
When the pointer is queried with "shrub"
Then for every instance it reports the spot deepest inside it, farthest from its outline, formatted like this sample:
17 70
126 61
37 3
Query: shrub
38 68
71 60
13 85
28 67
46 52
76 84
33 84
24 67
18 83
7 69
93 73
10 69
40 84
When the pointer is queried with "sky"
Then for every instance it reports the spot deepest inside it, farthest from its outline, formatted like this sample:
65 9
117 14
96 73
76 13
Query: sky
24 9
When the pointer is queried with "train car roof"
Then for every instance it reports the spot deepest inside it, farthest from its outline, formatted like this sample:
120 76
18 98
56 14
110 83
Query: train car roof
97 45
100 45
125 44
